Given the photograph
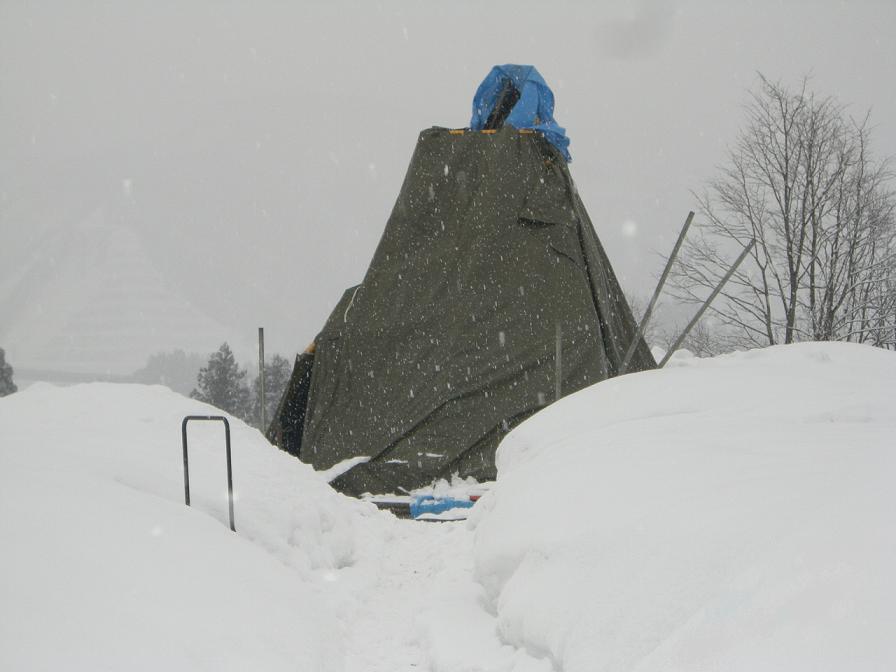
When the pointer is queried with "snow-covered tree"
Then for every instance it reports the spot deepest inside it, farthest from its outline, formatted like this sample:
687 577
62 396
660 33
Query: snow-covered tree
276 376
222 383
175 369
6 384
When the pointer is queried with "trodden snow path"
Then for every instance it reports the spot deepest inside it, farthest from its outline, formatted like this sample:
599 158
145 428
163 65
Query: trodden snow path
419 608
412 577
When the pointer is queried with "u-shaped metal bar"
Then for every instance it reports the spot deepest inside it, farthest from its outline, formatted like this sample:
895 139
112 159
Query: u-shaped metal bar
183 432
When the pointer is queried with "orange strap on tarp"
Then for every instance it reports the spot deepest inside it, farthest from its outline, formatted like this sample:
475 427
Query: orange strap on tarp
461 131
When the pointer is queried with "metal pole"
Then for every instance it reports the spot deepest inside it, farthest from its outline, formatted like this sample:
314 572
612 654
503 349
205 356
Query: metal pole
229 474
645 319
183 436
558 361
715 292
264 410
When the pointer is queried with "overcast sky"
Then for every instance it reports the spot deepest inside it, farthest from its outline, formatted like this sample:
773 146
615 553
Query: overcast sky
256 149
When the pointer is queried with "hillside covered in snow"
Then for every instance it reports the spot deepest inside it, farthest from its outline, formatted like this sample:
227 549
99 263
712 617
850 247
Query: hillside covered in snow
728 513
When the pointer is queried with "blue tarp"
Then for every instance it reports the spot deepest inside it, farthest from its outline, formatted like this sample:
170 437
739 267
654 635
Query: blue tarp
429 504
534 109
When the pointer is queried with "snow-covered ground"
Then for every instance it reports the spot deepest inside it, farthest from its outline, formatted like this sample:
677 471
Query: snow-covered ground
731 513
735 513
104 567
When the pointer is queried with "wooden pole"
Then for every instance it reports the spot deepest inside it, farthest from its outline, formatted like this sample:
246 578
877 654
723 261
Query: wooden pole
558 362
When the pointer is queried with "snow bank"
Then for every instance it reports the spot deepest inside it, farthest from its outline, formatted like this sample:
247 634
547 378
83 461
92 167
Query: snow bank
735 513
105 568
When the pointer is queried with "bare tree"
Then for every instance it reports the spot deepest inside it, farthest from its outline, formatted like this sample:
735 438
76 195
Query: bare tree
638 304
704 340
800 180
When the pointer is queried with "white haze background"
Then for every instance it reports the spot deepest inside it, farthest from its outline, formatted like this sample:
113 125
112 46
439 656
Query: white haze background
178 174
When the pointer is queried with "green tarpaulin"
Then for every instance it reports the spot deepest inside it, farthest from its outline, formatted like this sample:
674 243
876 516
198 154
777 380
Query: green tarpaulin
450 339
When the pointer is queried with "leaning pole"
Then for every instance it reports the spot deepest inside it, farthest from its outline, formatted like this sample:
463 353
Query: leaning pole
645 320
715 293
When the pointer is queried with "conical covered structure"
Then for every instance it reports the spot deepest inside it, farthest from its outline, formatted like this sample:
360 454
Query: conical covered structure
451 339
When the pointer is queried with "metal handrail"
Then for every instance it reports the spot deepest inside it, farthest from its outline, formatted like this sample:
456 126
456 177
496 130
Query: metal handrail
183 432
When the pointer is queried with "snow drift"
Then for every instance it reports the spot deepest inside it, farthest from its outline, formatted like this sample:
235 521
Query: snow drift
105 568
735 513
